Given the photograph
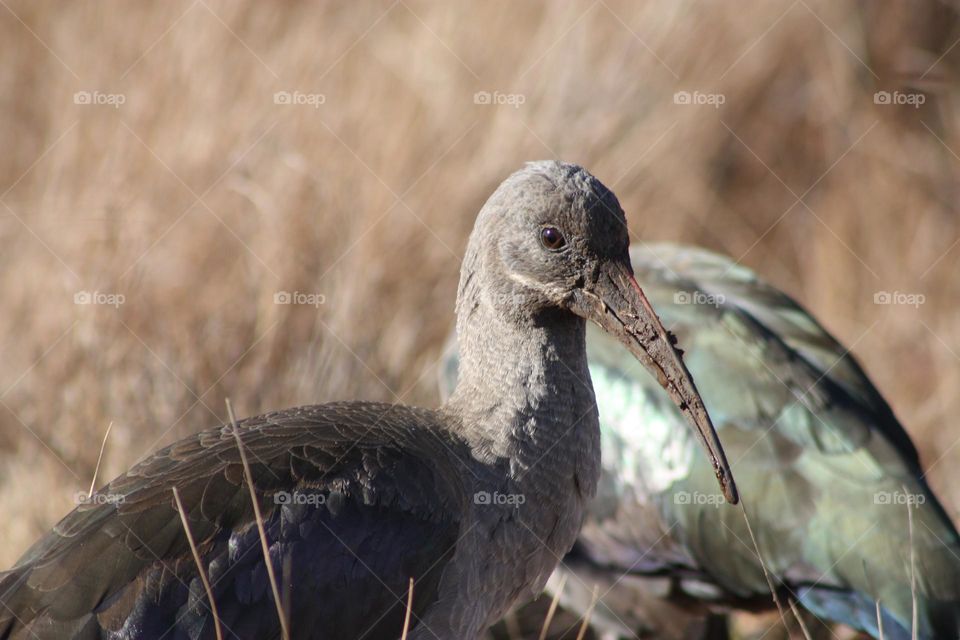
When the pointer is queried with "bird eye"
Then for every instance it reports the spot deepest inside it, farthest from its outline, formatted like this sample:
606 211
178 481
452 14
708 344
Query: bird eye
551 238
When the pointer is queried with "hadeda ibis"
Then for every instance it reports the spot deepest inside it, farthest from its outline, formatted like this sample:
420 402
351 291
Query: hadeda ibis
476 501
826 472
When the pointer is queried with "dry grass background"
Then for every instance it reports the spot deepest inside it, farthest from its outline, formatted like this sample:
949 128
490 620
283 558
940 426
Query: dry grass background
199 197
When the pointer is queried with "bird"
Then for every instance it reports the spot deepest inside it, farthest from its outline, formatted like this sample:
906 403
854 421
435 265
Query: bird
844 520
370 512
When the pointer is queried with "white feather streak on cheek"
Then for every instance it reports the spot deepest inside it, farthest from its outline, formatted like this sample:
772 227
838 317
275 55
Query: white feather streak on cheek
552 291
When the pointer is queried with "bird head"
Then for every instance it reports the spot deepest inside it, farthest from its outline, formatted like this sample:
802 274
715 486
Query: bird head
553 239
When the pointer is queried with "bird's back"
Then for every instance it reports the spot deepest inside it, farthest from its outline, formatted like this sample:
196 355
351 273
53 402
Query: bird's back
356 500
825 470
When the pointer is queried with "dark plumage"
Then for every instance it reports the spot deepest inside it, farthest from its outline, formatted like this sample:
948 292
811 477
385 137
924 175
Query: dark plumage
826 471
382 488
476 501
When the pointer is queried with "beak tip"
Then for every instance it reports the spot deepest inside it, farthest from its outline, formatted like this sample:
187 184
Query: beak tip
730 491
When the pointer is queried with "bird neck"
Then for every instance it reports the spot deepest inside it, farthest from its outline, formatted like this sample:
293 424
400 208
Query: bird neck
524 390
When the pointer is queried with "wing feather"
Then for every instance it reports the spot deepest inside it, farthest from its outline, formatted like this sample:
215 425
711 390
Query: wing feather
818 454
356 499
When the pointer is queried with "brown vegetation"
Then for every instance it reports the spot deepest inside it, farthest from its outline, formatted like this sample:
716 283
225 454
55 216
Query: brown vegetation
199 198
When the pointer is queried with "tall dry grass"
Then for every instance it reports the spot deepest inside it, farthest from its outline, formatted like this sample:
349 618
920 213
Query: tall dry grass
199 198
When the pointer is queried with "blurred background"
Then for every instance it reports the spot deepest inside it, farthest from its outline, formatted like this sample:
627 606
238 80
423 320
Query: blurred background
269 201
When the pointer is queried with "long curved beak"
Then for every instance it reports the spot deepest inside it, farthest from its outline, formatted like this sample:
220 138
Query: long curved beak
618 305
